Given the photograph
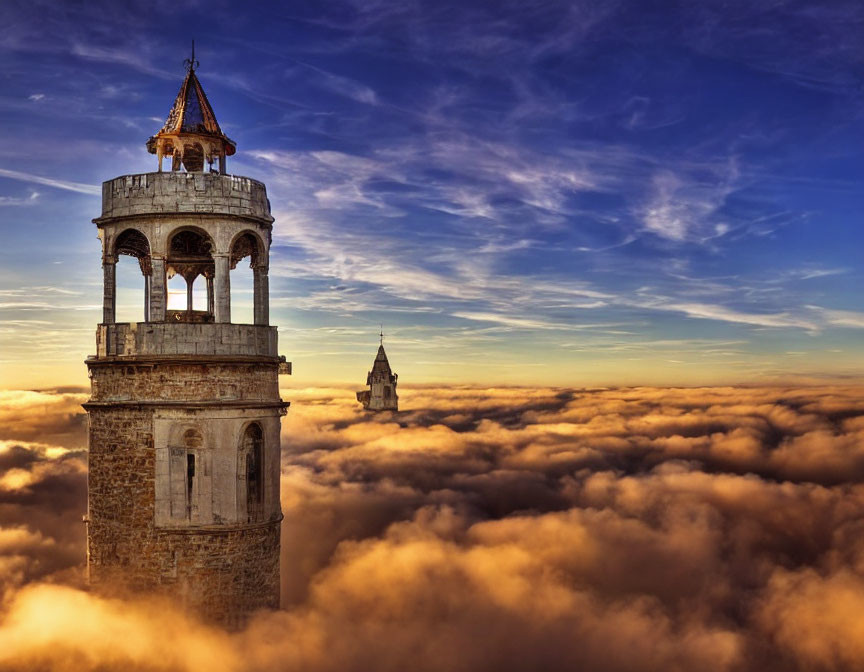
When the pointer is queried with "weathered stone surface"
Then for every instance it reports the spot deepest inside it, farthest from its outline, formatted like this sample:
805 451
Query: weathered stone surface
381 395
185 338
219 565
183 382
185 415
171 192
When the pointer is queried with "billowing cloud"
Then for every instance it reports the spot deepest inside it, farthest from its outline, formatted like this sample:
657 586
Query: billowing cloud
493 529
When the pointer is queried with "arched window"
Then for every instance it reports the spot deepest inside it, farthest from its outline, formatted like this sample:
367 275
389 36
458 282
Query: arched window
190 299
131 306
243 290
252 471
178 291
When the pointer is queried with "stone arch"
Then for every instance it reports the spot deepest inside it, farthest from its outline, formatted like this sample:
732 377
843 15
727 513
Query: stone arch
135 243
250 473
189 241
192 438
129 242
248 243
190 255
186 434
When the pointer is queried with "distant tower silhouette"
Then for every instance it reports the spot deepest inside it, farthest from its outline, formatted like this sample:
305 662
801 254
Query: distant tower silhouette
184 413
381 395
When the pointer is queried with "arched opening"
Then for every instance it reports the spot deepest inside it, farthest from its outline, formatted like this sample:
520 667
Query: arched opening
251 466
131 280
243 295
248 282
176 292
190 271
193 157
185 469
130 292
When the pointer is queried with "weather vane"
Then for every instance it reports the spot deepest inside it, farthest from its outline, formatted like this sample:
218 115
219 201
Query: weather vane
191 63
381 333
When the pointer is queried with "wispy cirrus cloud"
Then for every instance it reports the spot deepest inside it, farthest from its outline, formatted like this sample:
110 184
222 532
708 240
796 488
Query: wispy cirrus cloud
687 210
7 201
684 171
78 187
724 314
841 318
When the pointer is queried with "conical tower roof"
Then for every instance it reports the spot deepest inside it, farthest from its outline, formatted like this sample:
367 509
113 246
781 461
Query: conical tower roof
191 119
381 364
191 111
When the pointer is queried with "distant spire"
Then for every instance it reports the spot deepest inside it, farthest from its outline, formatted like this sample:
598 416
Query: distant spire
381 395
190 63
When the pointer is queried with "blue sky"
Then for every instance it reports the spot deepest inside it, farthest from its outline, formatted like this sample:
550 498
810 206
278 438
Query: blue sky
572 193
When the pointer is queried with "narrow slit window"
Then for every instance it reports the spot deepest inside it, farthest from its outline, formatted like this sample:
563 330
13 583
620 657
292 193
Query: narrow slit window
190 482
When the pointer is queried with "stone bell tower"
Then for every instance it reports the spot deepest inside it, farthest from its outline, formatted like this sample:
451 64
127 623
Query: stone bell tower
185 410
381 395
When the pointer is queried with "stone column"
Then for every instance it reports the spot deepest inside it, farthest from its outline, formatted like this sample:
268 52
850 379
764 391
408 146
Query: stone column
210 294
262 295
157 290
109 289
222 285
189 296
146 298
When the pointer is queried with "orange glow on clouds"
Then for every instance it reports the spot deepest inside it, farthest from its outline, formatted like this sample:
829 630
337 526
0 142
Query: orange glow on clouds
489 529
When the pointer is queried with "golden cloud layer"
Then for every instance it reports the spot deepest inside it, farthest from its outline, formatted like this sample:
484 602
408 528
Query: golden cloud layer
492 529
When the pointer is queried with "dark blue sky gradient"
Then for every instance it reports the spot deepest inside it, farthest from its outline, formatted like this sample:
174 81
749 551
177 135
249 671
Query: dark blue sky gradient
545 192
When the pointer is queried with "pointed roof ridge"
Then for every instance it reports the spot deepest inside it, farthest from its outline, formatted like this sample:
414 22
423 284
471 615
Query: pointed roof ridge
191 111
192 114
381 363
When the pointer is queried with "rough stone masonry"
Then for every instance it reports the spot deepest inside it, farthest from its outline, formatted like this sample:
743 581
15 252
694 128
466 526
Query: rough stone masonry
185 413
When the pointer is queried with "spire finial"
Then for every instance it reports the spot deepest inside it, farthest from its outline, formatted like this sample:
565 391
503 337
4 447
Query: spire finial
191 63
381 334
